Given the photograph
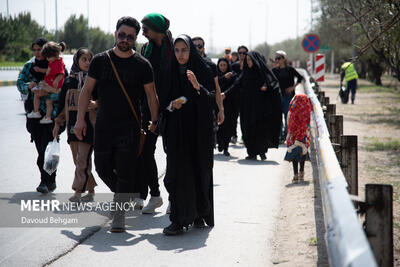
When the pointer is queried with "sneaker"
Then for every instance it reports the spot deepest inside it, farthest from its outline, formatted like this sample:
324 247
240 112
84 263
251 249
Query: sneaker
118 222
46 120
234 140
154 203
139 203
42 188
295 179
169 208
75 199
173 229
52 187
34 115
87 198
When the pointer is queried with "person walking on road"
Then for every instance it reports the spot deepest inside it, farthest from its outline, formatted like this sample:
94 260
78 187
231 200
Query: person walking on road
286 76
187 104
121 77
237 68
68 109
226 130
348 73
260 106
41 134
298 138
158 50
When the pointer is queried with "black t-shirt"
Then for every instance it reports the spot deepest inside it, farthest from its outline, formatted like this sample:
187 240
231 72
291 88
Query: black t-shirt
113 109
286 77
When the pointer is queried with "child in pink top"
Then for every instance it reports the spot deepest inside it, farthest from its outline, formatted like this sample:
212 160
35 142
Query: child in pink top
53 81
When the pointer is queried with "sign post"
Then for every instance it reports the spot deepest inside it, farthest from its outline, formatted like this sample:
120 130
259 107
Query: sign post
311 43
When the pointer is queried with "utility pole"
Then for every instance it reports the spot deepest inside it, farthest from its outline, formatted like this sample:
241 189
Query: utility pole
266 30
297 19
44 13
88 29
8 11
56 23
211 50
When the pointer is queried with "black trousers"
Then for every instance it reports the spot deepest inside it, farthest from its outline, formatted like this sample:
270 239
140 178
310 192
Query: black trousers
41 135
147 169
115 158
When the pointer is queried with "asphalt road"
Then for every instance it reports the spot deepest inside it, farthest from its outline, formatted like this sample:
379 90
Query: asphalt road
246 205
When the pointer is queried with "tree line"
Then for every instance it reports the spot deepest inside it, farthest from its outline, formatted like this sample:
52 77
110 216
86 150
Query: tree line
18 32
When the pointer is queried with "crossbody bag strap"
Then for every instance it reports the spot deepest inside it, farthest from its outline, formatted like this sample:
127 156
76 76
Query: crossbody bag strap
123 89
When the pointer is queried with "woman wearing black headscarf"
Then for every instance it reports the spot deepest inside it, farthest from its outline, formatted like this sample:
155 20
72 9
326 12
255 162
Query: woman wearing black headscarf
260 106
227 129
187 102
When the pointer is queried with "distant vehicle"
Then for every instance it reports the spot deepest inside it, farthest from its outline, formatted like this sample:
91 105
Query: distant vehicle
68 60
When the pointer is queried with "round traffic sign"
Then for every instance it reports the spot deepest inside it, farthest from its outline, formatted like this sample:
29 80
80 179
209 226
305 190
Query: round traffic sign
311 43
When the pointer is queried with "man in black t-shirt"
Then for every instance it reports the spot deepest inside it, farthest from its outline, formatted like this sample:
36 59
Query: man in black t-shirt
117 133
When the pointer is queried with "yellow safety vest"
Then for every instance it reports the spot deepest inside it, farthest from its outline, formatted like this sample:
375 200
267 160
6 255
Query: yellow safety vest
350 72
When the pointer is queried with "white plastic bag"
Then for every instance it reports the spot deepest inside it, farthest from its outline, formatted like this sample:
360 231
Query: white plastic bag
51 157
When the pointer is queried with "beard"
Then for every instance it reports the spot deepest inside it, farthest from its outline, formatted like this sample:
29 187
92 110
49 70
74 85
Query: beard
124 46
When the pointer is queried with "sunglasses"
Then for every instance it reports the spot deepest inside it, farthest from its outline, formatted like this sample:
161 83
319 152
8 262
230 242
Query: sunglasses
242 53
199 46
278 58
122 36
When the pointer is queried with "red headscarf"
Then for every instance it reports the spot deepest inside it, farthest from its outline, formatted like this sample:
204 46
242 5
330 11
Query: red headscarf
299 120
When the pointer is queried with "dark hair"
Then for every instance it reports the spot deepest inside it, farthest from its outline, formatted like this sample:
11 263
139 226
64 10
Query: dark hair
235 53
129 21
82 51
52 49
39 41
244 47
198 38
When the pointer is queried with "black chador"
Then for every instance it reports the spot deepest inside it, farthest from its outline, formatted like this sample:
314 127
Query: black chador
227 129
260 111
188 137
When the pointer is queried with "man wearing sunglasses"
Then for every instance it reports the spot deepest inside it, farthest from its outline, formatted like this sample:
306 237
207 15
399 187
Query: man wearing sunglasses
199 44
117 133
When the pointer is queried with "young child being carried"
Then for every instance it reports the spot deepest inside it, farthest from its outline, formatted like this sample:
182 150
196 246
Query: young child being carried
52 83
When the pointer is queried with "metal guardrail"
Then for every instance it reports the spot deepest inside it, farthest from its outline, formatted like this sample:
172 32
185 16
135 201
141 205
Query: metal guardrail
345 239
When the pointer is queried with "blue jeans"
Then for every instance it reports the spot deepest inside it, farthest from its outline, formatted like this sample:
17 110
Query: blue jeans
285 109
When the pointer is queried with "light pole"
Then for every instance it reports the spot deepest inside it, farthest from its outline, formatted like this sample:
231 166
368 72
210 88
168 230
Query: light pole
88 29
8 11
56 23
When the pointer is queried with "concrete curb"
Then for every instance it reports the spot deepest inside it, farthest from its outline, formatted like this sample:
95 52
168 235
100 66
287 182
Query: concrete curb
8 83
11 68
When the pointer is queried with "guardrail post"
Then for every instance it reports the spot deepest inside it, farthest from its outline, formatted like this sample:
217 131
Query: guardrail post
349 161
335 128
379 222
326 101
321 97
330 110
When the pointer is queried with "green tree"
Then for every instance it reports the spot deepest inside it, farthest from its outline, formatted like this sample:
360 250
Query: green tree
75 32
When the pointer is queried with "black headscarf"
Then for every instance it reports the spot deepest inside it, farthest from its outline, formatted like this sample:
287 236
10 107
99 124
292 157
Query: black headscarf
227 62
196 64
260 65
75 70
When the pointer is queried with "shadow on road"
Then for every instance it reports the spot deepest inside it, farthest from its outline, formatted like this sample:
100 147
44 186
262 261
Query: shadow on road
257 162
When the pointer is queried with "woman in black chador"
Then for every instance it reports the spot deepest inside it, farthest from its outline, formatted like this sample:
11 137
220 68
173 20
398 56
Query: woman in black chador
187 102
260 106
227 129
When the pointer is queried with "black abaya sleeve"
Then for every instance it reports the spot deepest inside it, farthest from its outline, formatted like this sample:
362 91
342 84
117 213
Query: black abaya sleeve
235 86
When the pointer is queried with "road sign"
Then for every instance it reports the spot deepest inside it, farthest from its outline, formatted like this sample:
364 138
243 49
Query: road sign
311 43
319 67
325 48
